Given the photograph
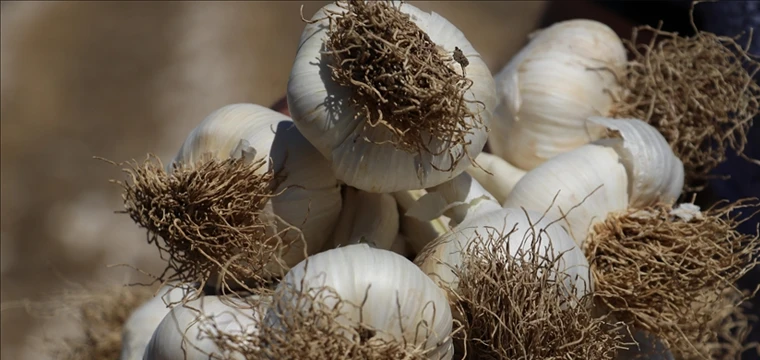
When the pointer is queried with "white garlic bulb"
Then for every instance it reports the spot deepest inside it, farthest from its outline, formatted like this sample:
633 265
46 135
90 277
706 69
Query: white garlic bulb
496 175
402 303
547 91
139 327
418 232
655 174
580 187
188 331
521 228
360 155
308 198
366 217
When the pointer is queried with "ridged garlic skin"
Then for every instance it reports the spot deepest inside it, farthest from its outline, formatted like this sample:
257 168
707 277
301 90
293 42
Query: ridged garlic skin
547 91
447 252
319 109
185 333
396 285
366 217
655 173
139 327
502 178
590 178
312 205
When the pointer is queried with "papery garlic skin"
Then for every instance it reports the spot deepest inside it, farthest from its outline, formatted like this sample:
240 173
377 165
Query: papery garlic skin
389 282
139 327
655 173
502 178
565 74
185 333
366 217
319 108
418 232
448 251
309 196
590 180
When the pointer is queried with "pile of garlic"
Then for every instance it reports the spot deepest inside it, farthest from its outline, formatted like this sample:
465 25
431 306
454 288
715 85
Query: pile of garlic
377 235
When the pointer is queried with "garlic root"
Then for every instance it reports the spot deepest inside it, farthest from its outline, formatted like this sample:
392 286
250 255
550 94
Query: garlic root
701 107
686 258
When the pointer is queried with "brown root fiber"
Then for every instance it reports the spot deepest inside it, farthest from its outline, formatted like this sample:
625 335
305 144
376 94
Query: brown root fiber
101 315
697 92
306 328
522 309
399 78
210 218
659 269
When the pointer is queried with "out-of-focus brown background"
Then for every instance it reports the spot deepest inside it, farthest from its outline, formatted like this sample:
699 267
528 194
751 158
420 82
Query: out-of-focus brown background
119 80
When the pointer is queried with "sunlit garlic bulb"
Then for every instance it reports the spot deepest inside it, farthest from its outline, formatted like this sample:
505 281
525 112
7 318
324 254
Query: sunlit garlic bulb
566 73
307 198
401 102
371 289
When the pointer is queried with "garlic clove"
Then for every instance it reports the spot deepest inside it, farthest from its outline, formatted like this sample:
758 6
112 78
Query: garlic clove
144 320
463 196
565 74
496 175
655 174
186 333
366 218
578 189
377 288
360 154
419 232
520 227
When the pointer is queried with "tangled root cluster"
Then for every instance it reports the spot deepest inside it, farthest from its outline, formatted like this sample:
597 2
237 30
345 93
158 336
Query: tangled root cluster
399 78
101 314
658 269
210 217
301 326
696 92
522 309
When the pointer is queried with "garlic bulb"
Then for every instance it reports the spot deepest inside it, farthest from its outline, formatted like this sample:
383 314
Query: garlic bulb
496 175
655 174
547 91
397 300
366 217
585 184
144 320
418 232
520 227
380 129
309 196
188 331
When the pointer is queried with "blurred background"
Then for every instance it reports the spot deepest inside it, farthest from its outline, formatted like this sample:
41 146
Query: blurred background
122 79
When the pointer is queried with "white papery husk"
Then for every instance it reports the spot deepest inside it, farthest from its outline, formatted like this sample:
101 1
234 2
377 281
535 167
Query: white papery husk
190 330
418 232
496 175
525 230
366 217
378 289
581 187
566 73
309 196
143 321
655 174
319 108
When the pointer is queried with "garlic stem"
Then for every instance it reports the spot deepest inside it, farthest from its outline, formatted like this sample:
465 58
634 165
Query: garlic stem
502 178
